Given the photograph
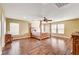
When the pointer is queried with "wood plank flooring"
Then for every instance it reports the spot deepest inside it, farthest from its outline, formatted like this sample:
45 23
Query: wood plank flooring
31 46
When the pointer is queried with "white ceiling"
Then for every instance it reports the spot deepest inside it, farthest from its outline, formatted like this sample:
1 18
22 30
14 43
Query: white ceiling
36 11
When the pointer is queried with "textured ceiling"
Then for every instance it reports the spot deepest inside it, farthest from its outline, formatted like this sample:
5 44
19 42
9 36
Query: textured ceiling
36 11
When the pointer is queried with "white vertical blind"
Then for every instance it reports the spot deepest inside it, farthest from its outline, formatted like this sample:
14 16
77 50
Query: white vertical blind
54 27
61 28
43 28
14 28
58 28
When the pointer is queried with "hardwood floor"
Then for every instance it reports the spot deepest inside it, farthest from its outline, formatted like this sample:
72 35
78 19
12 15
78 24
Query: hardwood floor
53 46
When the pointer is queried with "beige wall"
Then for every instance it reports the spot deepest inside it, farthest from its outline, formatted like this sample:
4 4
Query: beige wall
70 26
23 25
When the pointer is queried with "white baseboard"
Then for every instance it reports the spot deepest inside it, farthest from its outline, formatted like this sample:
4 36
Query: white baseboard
61 36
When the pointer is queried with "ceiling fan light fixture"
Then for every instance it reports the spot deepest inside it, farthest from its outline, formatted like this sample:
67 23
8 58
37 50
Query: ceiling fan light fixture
45 19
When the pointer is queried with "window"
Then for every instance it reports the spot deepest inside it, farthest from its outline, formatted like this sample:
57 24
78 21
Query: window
61 28
43 30
14 28
35 25
54 28
58 28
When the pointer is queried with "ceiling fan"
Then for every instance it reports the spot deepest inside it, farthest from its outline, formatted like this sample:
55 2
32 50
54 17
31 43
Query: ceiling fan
45 19
61 4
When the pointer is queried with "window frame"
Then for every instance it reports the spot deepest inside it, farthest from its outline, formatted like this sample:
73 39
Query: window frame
14 28
62 28
57 29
